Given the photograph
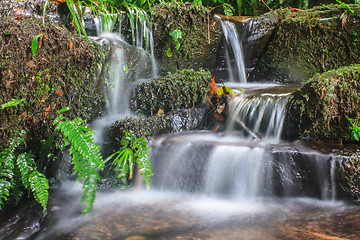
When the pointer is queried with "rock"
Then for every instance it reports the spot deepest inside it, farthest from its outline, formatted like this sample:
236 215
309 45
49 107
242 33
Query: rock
320 109
310 42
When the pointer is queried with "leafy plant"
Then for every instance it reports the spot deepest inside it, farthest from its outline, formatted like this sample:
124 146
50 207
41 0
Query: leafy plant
23 166
355 129
86 157
133 152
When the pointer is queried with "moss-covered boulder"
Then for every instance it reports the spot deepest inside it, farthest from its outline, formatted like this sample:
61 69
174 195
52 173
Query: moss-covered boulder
320 109
200 42
180 90
61 72
309 42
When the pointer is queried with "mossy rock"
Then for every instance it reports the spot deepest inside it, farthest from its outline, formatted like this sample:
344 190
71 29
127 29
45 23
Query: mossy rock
60 75
320 109
309 42
180 90
200 43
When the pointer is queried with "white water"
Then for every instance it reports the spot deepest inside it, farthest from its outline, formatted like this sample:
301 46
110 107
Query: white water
119 81
234 52
263 115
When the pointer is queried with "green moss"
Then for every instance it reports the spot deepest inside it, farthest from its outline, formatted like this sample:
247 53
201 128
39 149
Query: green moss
57 77
312 41
180 90
322 106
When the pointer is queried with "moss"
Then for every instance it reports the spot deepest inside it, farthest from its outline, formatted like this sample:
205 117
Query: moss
57 77
310 42
200 41
180 90
322 106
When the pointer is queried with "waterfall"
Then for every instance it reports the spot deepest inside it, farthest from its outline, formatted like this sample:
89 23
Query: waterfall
127 65
234 168
263 115
234 49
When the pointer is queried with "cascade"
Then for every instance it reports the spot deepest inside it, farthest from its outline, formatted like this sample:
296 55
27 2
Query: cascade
244 182
234 49
123 70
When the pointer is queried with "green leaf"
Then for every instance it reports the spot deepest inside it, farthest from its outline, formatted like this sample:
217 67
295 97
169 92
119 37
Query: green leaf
176 34
12 103
126 68
169 53
177 46
35 44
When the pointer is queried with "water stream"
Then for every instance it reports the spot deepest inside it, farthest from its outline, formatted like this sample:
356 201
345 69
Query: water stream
244 183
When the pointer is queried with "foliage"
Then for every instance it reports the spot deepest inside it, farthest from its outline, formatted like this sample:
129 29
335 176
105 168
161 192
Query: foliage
355 129
35 44
22 166
12 103
132 153
86 157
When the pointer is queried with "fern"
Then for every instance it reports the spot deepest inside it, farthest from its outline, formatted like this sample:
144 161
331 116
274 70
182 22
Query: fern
32 179
7 167
133 152
86 157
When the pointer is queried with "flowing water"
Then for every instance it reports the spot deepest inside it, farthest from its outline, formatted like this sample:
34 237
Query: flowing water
244 183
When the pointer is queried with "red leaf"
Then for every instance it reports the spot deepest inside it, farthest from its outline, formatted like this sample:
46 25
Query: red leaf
212 87
19 17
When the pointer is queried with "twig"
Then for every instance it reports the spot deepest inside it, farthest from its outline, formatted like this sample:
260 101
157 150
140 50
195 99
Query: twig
265 4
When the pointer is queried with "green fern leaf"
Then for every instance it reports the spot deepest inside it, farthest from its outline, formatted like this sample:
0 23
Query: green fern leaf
7 166
32 179
39 186
86 156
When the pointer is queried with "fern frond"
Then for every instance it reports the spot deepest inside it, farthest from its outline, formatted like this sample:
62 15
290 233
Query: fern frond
32 179
7 166
40 187
86 156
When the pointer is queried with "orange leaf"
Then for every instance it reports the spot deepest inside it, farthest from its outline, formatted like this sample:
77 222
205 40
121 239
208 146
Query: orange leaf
43 99
71 45
19 17
212 87
296 9
59 92
47 110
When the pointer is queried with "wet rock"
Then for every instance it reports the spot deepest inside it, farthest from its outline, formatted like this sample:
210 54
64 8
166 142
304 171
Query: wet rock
320 109
310 42
181 90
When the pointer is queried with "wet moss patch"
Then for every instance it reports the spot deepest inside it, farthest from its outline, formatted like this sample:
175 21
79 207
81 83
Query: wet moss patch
321 108
180 90
310 42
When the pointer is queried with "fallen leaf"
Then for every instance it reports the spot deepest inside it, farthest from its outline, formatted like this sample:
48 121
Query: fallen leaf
19 17
31 64
59 92
322 93
343 20
47 110
43 99
296 9
160 112
220 108
71 45
212 86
